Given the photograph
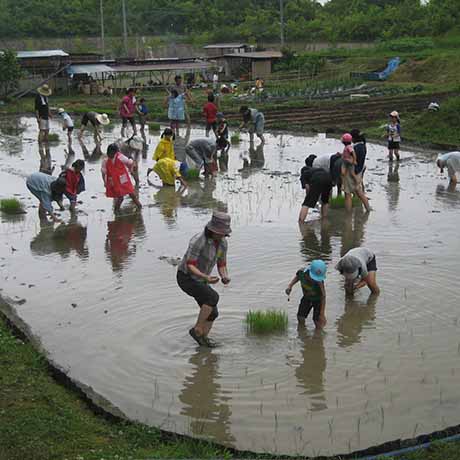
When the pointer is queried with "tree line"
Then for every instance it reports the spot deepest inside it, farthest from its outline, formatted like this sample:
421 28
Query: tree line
219 20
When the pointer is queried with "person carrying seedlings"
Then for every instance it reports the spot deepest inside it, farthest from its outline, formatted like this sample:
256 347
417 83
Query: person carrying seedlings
75 182
317 183
205 250
254 121
203 153
210 114
42 112
97 120
314 292
115 174
170 170
349 160
222 133
393 132
359 267
451 161
67 124
142 112
46 189
165 148
128 111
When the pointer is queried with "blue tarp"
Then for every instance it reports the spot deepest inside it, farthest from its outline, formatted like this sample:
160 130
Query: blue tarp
392 65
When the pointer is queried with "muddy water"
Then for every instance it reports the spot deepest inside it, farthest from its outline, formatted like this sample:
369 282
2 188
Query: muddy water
100 291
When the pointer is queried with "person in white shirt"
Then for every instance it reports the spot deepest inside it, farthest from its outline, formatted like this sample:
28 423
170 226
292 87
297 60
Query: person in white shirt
451 161
67 124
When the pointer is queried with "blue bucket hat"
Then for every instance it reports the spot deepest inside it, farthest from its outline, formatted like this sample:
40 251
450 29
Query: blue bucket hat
318 270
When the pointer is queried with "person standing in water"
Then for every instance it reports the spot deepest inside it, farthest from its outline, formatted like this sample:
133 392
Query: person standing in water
254 121
97 120
116 178
42 112
314 292
205 250
128 111
394 135
67 125
451 161
359 267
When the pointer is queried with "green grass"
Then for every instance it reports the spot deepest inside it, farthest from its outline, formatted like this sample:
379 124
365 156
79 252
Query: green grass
263 322
338 202
193 174
11 206
53 137
154 126
235 138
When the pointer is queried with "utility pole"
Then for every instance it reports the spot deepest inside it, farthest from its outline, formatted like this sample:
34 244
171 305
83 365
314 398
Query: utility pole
125 29
282 22
101 11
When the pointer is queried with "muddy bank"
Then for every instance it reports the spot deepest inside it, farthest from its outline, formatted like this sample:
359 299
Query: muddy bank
100 293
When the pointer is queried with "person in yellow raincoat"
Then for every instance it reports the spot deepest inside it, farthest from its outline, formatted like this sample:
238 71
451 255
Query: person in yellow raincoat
165 148
171 170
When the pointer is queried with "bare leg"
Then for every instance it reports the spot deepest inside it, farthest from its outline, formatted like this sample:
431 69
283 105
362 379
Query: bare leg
133 196
324 210
371 281
303 214
117 203
397 154
390 154
348 202
202 326
262 138
363 198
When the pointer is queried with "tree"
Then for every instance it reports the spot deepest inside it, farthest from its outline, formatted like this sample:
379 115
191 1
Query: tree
10 72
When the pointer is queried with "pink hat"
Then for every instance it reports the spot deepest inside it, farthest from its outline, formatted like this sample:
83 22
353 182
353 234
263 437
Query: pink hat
347 137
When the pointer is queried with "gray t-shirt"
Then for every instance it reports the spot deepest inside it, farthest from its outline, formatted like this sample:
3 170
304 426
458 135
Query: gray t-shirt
451 160
323 162
201 150
355 259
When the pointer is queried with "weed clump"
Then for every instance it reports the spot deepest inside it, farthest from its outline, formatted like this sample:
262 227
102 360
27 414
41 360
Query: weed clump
338 202
11 206
264 322
235 138
154 126
53 137
193 174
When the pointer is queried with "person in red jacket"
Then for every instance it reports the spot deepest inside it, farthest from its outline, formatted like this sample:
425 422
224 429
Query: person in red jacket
210 112
75 182
115 173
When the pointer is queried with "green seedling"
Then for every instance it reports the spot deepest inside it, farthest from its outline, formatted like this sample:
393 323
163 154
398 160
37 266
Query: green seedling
262 322
53 137
154 126
338 202
193 174
11 206
235 138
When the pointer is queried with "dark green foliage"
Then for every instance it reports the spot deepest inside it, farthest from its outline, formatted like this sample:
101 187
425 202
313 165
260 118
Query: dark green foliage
10 72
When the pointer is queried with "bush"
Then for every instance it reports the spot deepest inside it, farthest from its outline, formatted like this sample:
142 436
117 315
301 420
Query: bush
404 45
11 206
262 322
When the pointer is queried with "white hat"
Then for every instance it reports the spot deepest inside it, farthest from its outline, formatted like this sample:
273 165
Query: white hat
61 110
394 114
103 119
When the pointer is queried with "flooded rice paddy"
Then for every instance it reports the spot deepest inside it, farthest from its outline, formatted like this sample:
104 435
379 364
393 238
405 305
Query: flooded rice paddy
100 292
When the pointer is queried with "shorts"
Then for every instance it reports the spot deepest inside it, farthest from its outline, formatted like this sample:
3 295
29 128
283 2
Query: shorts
69 129
306 305
211 126
44 125
222 142
174 124
372 265
71 198
85 119
258 126
203 293
393 145
316 190
126 120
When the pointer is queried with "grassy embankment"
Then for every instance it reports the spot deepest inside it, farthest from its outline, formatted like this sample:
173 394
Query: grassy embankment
41 419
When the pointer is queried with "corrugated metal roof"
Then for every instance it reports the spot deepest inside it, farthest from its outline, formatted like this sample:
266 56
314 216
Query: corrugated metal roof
88 69
225 45
257 55
199 65
41 54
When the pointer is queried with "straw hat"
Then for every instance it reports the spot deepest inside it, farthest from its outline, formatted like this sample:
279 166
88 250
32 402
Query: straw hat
220 223
103 119
61 110
394 114
44 90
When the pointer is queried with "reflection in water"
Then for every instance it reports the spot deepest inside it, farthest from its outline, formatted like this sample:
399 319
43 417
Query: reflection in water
253 161
204 404
353 230
310 373
179 145
356 317
95 155
62 240
200 195
169 199
45 158
392 187
313 248
449 195
118 245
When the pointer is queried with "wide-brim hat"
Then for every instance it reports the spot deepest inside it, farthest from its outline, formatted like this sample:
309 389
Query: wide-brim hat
103 119
219 223
317 270
44 90
61 110
394 114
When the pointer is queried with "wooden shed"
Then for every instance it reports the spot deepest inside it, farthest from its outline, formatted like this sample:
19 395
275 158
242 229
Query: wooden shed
251 64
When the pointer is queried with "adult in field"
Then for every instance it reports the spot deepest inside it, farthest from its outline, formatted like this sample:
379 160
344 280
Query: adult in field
97 120
451 161
254 121
317 183
205 250
203 153
128 111
359 267
42 112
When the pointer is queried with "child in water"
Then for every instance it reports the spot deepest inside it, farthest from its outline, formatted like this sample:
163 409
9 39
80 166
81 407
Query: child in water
394 135
314 292
349 160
